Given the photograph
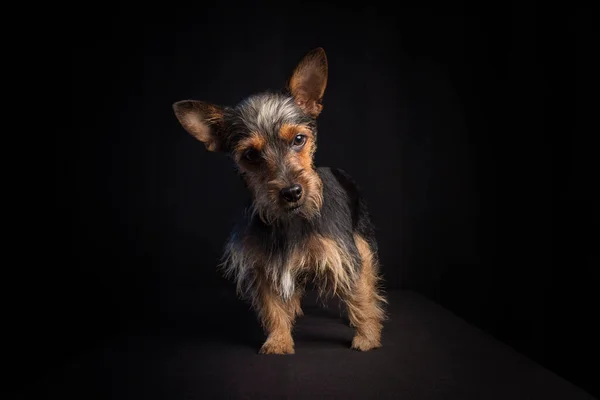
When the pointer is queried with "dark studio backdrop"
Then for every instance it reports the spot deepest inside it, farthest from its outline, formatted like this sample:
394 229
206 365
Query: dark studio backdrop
461 127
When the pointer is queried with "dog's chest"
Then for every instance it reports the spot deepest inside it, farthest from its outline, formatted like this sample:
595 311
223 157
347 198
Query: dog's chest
312 254
287 257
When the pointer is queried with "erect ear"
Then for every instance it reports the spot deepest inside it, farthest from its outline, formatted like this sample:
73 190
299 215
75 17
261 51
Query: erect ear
308 81
202 120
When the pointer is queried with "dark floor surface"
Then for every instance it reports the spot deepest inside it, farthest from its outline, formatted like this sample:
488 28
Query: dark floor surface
428 353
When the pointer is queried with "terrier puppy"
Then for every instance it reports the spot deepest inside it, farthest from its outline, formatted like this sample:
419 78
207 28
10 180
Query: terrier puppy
304 222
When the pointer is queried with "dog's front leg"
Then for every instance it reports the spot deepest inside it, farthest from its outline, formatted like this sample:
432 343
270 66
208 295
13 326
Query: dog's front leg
277 318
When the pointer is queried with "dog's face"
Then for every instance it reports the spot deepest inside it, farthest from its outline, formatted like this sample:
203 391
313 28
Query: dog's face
272 139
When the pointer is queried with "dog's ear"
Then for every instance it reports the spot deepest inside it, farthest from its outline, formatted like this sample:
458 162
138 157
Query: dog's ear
308 81
202 120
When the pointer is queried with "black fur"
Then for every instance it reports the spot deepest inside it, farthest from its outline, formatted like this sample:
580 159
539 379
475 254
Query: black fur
281 241
361 219
241 120
344 213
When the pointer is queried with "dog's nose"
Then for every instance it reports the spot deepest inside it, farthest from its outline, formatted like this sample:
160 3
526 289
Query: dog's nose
292 193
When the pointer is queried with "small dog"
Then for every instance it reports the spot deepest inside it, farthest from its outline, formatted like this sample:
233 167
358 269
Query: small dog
304 222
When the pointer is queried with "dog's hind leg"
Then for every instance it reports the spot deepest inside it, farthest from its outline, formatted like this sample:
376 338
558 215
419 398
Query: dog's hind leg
365 301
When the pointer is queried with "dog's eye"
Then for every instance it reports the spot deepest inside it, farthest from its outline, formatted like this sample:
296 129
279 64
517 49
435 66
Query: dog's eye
299 140
252 156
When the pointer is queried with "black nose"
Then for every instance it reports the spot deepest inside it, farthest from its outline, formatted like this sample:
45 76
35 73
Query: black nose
292 193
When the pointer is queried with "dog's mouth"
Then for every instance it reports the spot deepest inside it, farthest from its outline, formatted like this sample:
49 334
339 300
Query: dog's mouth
293 208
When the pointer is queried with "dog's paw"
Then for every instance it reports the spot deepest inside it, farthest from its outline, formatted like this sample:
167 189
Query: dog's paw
363 343
277 346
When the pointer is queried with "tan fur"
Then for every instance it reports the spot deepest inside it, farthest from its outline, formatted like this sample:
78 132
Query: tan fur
325 258
331 265
254 141
365 301
289 131
273 278
304 159
266 184
277 318
201 120
297 302
309 80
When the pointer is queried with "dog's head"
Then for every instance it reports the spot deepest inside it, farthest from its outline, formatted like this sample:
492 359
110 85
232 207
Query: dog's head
272 139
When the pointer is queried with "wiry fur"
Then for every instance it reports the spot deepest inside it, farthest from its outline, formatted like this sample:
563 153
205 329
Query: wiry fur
288 252
268 113
324 234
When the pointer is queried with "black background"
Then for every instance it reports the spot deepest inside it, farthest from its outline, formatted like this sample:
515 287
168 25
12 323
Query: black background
464 129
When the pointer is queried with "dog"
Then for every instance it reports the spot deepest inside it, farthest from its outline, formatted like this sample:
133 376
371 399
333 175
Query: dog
305 222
